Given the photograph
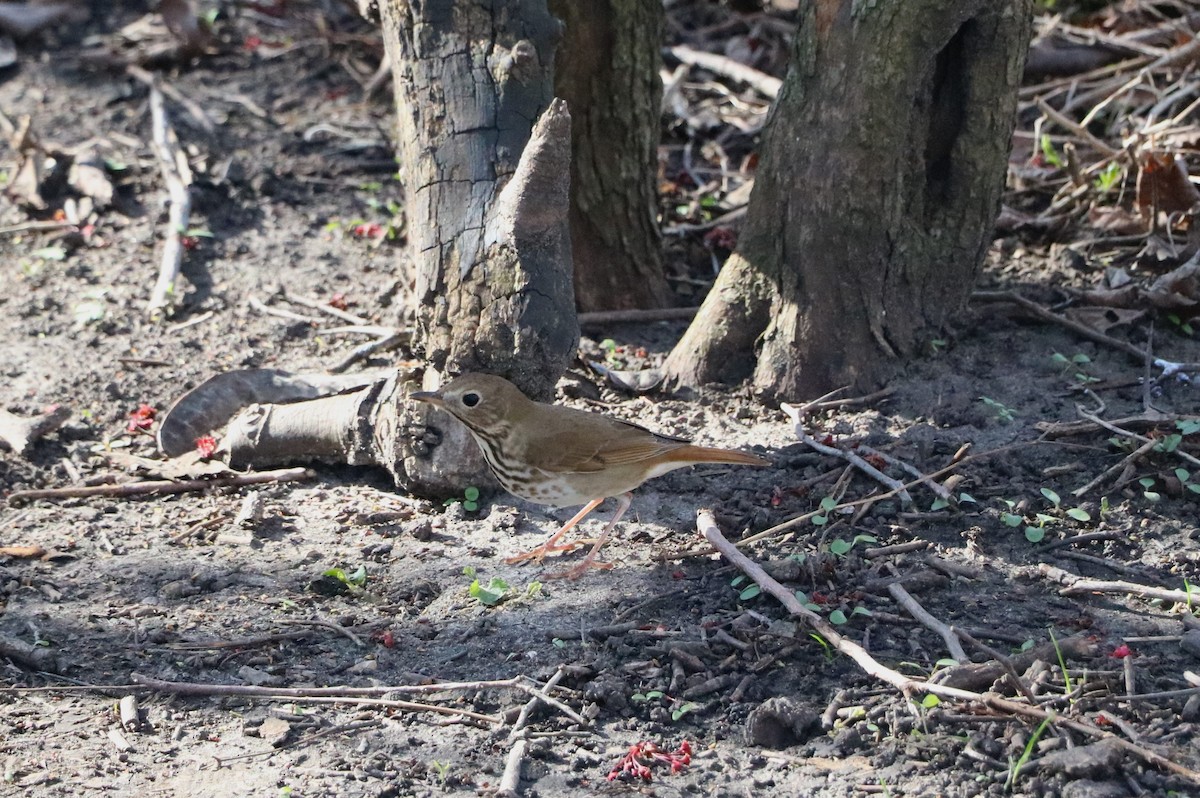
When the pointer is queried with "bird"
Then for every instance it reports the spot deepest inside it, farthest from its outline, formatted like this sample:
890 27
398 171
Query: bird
560 456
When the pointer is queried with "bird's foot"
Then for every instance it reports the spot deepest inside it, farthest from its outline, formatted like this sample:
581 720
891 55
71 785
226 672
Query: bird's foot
539 553
581 569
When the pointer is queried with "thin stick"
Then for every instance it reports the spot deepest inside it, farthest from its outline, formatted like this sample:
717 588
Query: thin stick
761 82
325 307
178 176
163 487
1132 457
599 318
1075 585
1003 659
1041 313
914 608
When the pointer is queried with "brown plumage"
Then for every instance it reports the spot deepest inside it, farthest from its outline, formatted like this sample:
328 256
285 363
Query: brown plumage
561 456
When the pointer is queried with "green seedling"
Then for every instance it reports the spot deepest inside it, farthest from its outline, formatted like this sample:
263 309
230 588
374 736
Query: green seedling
1062 663
836 617
826 648
828 505
1188 427
353 582
1169 443
490 595
1147 483
1077 364
469 500
745 593
1109 178
91 308
1184 476
49 253
1181 324
1050 154
941 504
1001 412
678 708
440 769
1015 769
841 548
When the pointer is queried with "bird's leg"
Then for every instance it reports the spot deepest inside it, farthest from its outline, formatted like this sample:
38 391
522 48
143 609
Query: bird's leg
552 544
589 561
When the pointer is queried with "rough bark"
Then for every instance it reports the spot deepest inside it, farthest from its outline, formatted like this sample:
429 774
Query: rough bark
873 206
470 80
487 200
607 69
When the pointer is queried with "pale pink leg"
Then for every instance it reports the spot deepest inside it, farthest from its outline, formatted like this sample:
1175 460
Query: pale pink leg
589 561
552 544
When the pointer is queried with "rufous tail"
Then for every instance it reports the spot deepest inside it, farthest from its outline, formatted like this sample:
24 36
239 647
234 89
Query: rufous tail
707 454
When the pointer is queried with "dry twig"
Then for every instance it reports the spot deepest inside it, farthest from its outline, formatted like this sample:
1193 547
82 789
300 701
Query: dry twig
178 177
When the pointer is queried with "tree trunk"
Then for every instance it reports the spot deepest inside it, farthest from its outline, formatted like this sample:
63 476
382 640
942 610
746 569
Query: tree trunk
607 69
873 206
486 206
470 80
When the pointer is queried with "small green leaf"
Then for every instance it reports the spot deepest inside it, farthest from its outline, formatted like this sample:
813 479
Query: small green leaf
837 617
1182 474
469 571
1079 514
840 547
679 712
50 253
749 593
1051 496
1034 534
737 580
828 504
819 520
492 594
1011 519
966 498
1146 482
946 662
861 611
471 494
930 701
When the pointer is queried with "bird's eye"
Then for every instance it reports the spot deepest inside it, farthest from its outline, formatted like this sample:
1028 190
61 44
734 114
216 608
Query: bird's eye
470 399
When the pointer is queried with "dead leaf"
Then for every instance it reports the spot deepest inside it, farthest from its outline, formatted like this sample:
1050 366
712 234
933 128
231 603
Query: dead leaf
1103 319
1163 185
1114 219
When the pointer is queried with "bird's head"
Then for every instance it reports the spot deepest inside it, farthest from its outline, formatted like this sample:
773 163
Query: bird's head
481 401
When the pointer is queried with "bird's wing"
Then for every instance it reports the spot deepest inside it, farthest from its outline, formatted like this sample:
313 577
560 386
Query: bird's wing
567 451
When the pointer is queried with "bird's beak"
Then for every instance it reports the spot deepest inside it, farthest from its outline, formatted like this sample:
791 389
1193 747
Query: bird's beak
429 397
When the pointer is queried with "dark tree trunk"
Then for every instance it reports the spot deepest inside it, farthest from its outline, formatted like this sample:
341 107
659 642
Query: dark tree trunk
607 70
493 290
873 206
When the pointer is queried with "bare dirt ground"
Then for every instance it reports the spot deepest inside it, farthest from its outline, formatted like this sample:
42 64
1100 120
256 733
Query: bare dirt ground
666 647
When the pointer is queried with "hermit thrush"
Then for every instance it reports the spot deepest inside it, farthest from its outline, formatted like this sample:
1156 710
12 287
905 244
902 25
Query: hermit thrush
562 457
